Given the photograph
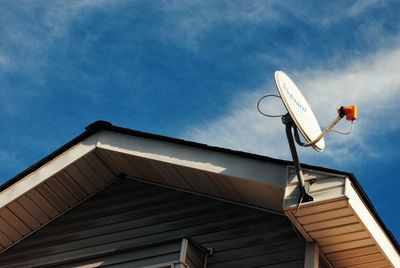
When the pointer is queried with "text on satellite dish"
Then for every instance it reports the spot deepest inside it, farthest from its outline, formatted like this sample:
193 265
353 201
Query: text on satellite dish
293 98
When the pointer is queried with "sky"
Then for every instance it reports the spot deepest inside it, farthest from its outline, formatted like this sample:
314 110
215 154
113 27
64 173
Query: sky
196 69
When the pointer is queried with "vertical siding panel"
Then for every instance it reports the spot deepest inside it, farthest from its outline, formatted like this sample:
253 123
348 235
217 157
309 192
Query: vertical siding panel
71 185
4 240
24 215
106 156
139 167
14 221
62 192
12 234
75 174
42 203
124 167
30 206
51 197
90 173
170 175
99 167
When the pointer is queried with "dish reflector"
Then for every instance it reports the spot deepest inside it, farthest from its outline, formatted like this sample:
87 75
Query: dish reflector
299 109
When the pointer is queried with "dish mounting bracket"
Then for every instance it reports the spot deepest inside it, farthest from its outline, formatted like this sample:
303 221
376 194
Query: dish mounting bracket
289 124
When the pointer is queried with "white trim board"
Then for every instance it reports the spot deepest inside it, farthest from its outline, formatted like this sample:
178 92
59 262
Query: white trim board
370 223
49 169
269 173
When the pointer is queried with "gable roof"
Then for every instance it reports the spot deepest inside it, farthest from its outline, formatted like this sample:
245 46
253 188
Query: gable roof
105 125
233 176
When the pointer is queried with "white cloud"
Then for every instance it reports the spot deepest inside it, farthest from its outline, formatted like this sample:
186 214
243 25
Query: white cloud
61 14
371 82
28 32
185 23
30 29
361 6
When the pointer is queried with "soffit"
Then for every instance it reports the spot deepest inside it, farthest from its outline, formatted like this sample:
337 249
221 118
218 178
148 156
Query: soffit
35 207
85 169
339 221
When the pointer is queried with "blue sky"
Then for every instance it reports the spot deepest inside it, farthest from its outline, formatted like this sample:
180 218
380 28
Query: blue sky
195 70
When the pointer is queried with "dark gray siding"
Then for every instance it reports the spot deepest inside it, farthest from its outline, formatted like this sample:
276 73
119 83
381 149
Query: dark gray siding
133 224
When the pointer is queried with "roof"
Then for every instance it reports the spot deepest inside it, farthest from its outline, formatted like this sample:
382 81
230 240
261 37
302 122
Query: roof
231 174
105 125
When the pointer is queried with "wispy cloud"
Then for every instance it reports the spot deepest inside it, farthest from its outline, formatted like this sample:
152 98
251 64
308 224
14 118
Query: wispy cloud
28 33
371 82
249 35
31 28
362 5
188 23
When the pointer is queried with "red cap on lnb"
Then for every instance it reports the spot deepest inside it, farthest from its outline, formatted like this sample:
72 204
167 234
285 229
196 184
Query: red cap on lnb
350 112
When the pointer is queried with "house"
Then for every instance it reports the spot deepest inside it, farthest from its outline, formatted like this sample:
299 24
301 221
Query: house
116 197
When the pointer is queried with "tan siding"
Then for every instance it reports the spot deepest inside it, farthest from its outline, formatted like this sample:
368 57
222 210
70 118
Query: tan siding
39 200
329 223
64 193
14 221
326 215
359 260
4 240
348 228
71 185
33 209
310 210
74 173
52 197
342 238
347 245
357 252
24 215
12 233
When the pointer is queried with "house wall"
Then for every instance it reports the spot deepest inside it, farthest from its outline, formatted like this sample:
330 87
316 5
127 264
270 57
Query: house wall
134 224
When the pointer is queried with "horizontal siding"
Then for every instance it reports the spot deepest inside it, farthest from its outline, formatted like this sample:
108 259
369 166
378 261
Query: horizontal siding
137 257
132 224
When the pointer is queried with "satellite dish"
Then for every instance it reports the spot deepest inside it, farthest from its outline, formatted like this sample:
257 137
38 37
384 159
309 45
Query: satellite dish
301 118
300 110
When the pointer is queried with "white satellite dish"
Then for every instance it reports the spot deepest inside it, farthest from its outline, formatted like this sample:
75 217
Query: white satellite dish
300 110
301 118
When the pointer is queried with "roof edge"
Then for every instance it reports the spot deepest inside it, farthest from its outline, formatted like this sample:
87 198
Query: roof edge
108 126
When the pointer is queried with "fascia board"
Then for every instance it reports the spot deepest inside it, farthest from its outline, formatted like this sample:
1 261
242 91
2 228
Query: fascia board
269 173
49 169
370 223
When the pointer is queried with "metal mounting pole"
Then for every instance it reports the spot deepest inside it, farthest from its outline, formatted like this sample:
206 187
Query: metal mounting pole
288 121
